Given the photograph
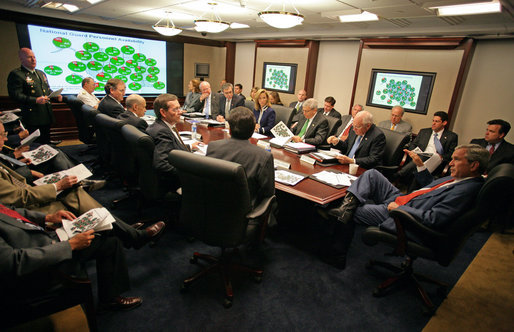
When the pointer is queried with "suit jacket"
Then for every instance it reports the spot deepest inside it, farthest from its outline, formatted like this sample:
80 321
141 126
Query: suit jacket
371 149
344 121
267 121
332 113
165 141
24 87
235 102
215 105
504 153
108 105
402 126
258 165
317 132
297 114
132 119
448 140
192 102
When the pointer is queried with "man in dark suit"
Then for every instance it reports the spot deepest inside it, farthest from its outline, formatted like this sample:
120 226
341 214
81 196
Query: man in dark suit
238 90
166 138
136 108
365 143
346 123
432 140
370 198
396 123
500 150
297 106
328 108
29 87
111 103
210 101
27 250
312 127
258 163
228 101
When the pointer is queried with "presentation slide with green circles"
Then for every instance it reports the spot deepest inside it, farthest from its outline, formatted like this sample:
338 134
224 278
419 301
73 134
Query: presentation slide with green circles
397 89
68 56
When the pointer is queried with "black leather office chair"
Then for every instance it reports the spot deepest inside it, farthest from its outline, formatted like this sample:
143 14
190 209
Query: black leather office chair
216 209
282 113
439 245
333 124
394 157
88 115
250 104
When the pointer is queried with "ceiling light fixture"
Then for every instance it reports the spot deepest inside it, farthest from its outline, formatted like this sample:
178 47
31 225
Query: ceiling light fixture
362 17
281 19
167 30
71 8
214 25
235 25
469 9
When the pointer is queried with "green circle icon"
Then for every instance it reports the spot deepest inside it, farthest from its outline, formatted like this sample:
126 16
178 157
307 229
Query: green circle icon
131 63
139 57
134 86
140 70
76 66
112 51
154 70
150 62
100 87
101 56
83 55
61 42
116 60
121 77
103 77
53 70
74 79
159 85
110 68
152 78
91 47
127 49
93 65
124 70
136 77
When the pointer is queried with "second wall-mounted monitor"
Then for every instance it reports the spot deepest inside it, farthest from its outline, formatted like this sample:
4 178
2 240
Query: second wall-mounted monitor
409 89
201 70
280 77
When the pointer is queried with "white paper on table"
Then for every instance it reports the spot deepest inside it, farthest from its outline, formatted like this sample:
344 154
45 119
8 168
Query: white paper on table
31 138
55 93
332 152
210 121
202 149
280 141
41 154
300 145
433 162
80 171
99 219
281 130
336 179
287 177
258 136
149 119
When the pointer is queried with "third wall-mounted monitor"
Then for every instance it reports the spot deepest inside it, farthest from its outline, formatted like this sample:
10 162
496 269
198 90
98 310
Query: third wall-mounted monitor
409 89
202 70
280 77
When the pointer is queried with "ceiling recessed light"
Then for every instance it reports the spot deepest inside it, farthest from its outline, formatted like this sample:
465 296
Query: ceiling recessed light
469 9
364 16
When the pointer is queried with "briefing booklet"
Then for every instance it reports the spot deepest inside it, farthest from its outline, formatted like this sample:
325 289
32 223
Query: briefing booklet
282 135
99 219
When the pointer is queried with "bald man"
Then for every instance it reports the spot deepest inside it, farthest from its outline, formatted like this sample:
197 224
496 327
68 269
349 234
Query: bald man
298 106
396 123
29 87
136 108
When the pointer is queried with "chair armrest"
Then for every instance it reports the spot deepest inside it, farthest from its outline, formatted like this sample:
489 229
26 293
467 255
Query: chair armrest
404 159
406 221
261 208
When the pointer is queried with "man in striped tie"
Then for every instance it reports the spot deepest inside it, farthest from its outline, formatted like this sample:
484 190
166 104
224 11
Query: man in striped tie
370 198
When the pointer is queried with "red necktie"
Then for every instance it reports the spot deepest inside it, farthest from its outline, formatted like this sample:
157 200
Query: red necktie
491 150
14 214
347 130
402 200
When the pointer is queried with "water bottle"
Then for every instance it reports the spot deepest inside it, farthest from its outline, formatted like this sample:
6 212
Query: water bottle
193 129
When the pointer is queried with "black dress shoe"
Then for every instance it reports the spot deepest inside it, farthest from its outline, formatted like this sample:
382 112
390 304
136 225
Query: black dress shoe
55 142
153 233
121 303
92 185
137 225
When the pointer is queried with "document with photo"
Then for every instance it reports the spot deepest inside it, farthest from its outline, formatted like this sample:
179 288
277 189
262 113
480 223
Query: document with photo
41 154
99 219
80 171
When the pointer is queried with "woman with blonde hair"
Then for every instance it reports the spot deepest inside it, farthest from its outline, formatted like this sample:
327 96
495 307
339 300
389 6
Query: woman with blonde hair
192 102
264 114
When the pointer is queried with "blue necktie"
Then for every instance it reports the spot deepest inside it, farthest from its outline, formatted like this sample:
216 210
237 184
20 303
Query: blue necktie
207 105
438 145
355 146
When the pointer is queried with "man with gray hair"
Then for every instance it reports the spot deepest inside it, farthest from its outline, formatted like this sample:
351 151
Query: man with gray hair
396 123
136 108
365 143
312 127
370 198
228 101
86 93
210 101
111 103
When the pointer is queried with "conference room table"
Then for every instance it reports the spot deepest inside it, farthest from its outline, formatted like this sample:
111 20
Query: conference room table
308 188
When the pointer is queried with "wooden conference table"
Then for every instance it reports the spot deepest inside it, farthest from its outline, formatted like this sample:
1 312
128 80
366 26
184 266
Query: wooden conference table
308 188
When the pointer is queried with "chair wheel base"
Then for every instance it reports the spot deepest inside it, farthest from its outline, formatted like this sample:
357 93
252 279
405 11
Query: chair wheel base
184 288
227 303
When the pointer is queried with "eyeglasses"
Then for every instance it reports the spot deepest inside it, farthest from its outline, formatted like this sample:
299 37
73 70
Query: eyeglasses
4 134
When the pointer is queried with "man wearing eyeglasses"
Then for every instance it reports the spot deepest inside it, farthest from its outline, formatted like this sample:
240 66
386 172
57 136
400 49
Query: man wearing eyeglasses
365 143
111 103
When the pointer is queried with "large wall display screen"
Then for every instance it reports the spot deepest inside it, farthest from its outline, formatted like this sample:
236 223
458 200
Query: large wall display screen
68 56
279 77
411 90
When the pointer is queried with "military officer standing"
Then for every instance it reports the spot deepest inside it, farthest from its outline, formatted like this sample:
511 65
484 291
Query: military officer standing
29 87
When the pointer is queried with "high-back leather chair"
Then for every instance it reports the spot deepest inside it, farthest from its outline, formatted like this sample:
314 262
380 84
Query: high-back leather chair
444 244
75 106
393 157
333 124
282 113
88 116
216 208
250 104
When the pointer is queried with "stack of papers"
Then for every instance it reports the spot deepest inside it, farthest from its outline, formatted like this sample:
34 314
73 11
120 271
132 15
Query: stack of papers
299 147
98 219
334 178
41 154
31 138
287 177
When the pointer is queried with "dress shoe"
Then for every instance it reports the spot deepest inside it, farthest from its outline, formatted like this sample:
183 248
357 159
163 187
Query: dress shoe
153 233
138 225
92 185
55 142
121 303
